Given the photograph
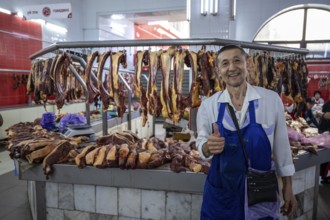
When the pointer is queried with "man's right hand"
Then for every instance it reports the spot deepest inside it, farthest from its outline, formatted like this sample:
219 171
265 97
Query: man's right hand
215 143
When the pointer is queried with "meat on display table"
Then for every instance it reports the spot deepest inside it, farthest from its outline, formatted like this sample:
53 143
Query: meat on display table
92 193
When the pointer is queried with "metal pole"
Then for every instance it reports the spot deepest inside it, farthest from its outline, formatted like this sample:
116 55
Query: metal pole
73 70
13 70
104 122
83 64
164 42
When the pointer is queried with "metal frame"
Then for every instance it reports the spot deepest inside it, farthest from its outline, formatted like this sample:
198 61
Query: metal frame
56 47
163 42
14 70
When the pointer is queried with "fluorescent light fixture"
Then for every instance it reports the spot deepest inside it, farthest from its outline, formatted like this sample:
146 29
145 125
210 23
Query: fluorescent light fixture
5 11
56 28
188 10
203 7
118 28
211 6
162 22
161 31
214 4
19 14
233 9
40 21
117 16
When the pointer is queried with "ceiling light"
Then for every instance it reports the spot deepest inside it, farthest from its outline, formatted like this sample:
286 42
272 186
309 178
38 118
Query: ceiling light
214 4
118 28
117 16
5 11
232 9
204 4
162 22
19 14
40 21
188 9
56 28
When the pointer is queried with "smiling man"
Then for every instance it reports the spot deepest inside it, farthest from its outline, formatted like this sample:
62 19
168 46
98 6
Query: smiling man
260 116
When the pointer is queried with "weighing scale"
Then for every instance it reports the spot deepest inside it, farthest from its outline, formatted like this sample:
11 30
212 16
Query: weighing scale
75 130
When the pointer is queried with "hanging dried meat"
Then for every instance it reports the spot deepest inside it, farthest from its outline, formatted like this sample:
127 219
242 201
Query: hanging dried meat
154 104
117 58
203 64
193 98
47 83
176 86
140 92
61 79
93 92
102 81
165 96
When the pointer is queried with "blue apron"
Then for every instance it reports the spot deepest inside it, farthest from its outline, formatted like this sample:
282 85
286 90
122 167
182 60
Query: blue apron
224 189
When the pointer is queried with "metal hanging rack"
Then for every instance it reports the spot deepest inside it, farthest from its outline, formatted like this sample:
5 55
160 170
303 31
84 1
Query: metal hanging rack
56 47
164 42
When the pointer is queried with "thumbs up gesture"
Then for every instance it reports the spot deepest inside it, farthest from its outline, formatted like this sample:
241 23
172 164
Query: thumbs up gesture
215 143
216 131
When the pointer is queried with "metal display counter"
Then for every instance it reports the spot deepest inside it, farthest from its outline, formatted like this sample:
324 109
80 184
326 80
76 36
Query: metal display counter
160 180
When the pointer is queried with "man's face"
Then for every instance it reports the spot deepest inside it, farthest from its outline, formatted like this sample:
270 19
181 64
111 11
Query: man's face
232 67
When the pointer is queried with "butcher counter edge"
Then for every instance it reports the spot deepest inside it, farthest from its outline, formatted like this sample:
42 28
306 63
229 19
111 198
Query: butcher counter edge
175 189
158 179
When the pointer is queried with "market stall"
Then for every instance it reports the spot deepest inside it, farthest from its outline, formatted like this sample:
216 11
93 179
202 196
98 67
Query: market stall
150 193
83 181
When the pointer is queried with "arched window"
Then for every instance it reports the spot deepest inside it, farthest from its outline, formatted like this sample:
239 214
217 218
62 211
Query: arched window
301 26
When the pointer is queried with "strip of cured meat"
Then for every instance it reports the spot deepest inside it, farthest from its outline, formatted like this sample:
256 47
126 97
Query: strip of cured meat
117 58
193 99
112 157
264 68
177 104
60 73
70 86
80 158
58 155
154 103
140 92
100 159
30 81
92 90
203 66
104 93
217 84
47 83
295 86
165 97
252 72
38 68
279 67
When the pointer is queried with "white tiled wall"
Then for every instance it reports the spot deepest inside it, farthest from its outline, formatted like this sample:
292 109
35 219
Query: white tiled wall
106 200
84 198
129 202
68 201
65 196
153 204
99 202
52 195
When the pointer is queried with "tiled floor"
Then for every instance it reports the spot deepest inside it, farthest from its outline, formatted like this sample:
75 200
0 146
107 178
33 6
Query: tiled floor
14 202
